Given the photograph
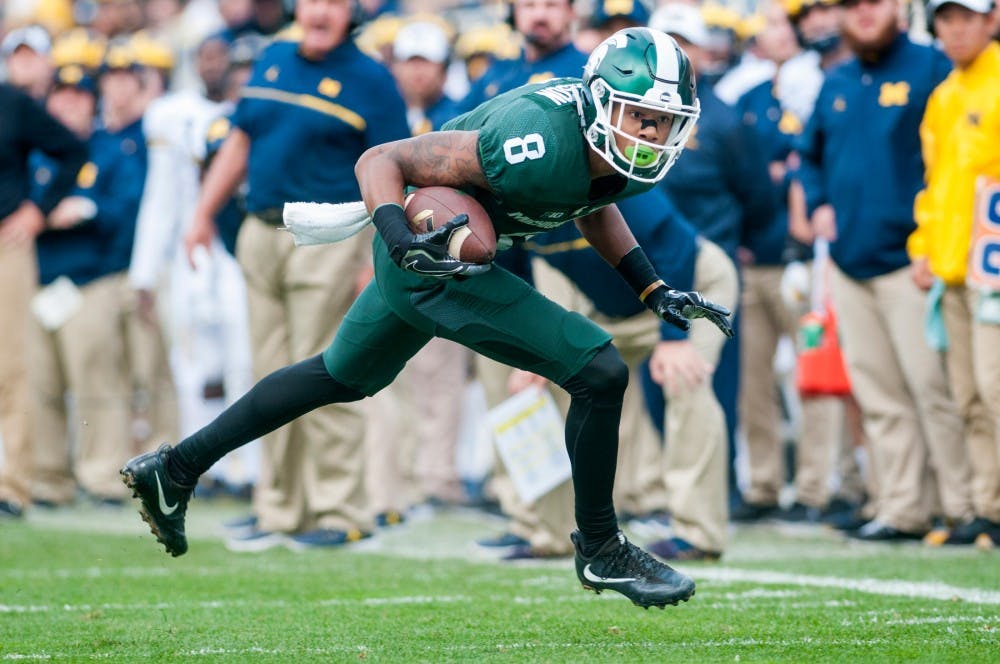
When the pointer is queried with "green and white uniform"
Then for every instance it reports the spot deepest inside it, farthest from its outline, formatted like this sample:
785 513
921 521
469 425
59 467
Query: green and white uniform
535 157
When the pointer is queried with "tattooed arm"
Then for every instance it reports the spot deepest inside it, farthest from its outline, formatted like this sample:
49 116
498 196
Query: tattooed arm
446 158
443 158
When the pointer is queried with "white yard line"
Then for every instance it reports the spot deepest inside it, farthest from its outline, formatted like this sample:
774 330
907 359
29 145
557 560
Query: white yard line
918 589
889 587
228 604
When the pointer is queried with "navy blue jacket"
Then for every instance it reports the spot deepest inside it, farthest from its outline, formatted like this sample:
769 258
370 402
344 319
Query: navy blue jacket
308 123
113 178
720 182
861 153
776 130
441 111
505 75
667 238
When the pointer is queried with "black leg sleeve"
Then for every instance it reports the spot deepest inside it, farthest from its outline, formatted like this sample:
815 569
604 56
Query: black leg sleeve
275 401
592 441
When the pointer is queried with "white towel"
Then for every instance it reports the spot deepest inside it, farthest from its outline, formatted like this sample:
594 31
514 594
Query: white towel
323 223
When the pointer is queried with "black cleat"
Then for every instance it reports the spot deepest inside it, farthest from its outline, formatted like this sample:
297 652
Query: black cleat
623 567
163 502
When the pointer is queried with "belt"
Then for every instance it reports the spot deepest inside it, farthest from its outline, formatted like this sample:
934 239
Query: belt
272 217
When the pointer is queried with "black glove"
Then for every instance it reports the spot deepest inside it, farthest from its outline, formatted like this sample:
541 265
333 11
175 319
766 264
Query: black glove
428 253
425 253
679 308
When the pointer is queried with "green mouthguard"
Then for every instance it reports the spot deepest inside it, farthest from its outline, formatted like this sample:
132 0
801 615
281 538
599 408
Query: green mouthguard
643 156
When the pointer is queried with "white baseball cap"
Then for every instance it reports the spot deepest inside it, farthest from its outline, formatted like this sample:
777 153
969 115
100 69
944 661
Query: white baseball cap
682 20
34 37
421 40
978 6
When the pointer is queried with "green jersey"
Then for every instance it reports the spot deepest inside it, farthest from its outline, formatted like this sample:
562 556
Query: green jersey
535 157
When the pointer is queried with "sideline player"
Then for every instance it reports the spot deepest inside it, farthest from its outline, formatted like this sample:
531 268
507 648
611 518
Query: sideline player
535 158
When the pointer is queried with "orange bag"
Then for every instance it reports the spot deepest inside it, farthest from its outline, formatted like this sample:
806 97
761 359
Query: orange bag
821 369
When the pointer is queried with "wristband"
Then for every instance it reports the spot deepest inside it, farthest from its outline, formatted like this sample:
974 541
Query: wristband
650 288
639 273
390 220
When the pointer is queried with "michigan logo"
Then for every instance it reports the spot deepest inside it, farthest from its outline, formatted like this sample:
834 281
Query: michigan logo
87 176
616 7
330 87
541 77
217 131
790 125
894 94
422 127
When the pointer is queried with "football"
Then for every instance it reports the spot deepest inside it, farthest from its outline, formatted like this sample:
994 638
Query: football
431 207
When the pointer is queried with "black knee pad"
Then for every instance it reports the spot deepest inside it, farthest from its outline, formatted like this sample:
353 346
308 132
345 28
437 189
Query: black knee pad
603 379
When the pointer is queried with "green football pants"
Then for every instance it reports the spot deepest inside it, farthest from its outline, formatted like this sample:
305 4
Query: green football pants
496 314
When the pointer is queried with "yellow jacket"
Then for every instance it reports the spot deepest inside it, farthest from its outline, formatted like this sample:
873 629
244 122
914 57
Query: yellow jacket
960 138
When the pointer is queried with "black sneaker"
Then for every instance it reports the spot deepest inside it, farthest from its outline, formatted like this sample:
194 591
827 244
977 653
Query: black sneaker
163 502
10 510
747 512
966 533
503 541
800 513
623 567
677 548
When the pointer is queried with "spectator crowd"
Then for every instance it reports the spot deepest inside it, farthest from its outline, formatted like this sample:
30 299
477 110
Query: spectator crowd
840 193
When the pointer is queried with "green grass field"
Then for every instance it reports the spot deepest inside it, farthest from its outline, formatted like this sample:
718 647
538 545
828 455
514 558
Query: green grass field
83 584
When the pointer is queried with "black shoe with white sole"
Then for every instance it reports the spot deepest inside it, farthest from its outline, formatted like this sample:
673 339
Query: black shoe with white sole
623 567
163 502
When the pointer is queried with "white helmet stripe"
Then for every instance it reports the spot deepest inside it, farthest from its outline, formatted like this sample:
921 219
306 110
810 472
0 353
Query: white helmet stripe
667 72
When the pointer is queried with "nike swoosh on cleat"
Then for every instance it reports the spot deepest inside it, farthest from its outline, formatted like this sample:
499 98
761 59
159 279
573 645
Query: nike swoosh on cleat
590 576
166 509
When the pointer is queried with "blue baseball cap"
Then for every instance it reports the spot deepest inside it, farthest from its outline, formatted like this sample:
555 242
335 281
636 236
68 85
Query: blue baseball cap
74 76
632 10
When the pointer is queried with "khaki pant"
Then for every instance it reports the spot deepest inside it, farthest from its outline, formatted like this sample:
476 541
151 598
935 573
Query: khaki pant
312 468
18 276
413 430
822 445
434 382
639 487
900 384
973 359
154 399
765 319
695 459
689 477
547 522
85 358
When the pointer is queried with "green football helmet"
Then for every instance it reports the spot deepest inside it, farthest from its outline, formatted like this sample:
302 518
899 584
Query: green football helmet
646 68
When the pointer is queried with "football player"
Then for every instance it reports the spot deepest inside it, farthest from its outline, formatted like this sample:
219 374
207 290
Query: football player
535 158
